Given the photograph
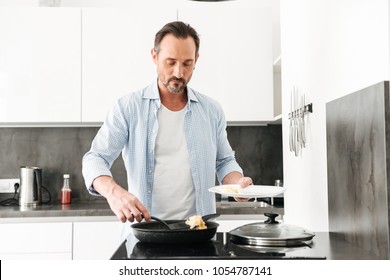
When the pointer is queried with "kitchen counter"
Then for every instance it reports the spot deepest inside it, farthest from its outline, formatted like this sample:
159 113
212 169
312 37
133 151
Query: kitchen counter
57 210
101 209
324 246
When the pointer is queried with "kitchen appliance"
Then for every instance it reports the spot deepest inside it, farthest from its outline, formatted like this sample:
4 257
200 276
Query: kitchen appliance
262 240
30 186
223 245
269 239
220 246
324 245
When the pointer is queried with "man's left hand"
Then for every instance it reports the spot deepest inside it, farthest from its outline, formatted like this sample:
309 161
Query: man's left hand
244 182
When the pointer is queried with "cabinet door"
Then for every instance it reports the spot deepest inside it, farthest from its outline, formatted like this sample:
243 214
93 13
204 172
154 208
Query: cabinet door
116 56
235 58
36 241
40 65
96 240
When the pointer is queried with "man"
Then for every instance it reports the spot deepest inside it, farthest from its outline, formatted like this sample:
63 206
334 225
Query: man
173 140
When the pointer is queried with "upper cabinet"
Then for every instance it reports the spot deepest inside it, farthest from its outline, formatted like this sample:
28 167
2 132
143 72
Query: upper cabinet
235 64
69 65
40 65
116 48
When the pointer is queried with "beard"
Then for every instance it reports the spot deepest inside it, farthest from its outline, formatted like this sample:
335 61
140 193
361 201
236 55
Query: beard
175 85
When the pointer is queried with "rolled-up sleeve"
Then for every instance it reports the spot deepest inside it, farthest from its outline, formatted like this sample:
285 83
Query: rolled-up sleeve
106 146
226 161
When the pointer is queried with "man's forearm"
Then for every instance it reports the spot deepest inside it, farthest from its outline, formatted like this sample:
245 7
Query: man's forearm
232 178
106 186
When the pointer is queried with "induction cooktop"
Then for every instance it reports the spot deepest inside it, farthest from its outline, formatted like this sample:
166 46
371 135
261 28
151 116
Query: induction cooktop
220 247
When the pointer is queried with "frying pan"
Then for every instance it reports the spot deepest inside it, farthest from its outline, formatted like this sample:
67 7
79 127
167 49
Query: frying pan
155 232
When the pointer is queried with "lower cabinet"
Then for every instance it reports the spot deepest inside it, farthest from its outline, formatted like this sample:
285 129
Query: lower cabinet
59 240
96 240
27 241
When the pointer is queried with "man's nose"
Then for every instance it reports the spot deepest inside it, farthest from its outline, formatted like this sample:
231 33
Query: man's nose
178 71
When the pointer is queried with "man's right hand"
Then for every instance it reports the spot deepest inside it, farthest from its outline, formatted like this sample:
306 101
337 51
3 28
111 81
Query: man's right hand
125 205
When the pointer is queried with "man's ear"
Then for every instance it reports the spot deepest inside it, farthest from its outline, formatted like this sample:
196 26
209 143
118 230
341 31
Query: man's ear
154 55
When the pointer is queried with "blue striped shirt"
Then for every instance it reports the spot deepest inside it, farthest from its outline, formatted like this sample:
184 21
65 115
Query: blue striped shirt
131 128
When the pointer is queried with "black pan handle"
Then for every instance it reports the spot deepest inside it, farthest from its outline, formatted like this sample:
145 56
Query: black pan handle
210 216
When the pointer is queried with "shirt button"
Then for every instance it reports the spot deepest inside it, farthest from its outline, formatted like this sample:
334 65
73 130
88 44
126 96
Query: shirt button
149 191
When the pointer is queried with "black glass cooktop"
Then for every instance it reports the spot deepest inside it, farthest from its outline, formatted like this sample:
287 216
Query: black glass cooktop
220 247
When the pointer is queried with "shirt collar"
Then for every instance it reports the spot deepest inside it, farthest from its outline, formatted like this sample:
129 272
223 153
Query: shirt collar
191 94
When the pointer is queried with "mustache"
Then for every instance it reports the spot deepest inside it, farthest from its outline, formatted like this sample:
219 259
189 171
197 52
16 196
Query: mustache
175 79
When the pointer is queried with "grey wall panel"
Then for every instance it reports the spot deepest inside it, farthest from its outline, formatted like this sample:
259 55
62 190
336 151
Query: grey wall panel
357 154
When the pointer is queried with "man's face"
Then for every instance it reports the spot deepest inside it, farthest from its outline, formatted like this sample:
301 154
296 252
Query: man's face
175 62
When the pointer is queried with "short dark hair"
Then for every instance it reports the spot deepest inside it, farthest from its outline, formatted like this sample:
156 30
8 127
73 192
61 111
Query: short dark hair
178 29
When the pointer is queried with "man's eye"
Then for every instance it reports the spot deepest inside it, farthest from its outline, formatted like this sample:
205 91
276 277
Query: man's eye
171 63
187 64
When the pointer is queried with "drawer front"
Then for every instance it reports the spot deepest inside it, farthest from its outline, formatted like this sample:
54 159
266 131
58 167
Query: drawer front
35 238
96 240
36 256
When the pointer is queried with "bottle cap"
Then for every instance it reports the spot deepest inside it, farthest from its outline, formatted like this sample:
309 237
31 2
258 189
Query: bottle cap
66 176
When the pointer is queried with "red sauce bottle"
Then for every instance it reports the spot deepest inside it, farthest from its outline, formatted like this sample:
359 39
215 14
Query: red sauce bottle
66 192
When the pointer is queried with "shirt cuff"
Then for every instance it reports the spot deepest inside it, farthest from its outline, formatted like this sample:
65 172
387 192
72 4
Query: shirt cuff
227 168
91 175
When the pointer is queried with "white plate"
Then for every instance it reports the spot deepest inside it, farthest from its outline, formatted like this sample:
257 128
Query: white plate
234 190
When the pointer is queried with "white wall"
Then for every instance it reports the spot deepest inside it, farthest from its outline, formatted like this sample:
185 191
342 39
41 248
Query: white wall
330 48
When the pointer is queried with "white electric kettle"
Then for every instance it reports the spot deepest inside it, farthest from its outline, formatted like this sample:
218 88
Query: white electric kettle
30 186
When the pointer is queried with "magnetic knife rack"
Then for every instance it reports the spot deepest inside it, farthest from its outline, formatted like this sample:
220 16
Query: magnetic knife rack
298 112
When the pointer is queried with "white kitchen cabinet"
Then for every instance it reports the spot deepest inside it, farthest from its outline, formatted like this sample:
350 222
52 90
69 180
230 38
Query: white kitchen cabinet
235 64
36 241
40 65
116 53
36 256
96 240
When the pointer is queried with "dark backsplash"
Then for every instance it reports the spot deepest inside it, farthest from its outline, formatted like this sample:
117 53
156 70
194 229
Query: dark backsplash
258 151
60 150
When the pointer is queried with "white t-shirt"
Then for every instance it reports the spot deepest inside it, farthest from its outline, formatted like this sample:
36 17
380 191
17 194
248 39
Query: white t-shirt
173 189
